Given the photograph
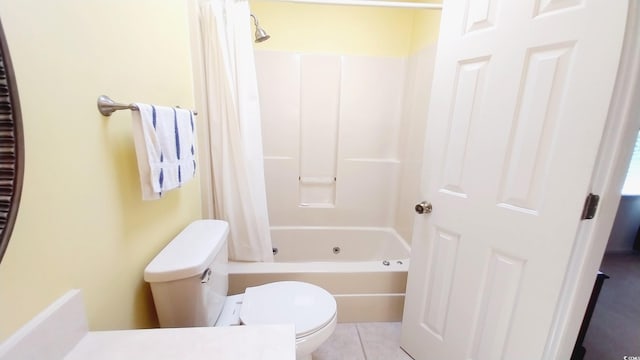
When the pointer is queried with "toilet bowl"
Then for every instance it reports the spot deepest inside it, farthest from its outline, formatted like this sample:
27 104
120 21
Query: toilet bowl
189 283
310 308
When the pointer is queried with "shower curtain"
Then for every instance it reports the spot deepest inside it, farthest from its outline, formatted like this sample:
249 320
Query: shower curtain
235 134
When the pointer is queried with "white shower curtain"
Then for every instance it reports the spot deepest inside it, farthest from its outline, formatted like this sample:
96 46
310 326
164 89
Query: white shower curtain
234 128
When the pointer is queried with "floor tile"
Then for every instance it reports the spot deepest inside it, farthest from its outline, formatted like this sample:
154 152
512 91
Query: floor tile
344 344
381 341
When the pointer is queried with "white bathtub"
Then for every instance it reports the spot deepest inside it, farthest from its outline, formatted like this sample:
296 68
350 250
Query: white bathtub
364 268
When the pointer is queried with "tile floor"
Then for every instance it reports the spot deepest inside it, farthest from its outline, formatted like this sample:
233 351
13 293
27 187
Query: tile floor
363 341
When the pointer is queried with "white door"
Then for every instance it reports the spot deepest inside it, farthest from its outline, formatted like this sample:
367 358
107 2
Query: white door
520 97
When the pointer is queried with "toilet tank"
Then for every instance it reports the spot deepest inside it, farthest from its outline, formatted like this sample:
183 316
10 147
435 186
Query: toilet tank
189 277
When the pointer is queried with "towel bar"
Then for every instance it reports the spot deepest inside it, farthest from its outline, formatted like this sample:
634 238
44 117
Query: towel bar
106 106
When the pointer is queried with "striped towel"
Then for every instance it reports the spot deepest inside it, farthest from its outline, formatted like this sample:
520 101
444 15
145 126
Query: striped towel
165 147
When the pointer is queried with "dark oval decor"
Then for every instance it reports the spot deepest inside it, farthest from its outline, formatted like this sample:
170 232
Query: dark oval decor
11 146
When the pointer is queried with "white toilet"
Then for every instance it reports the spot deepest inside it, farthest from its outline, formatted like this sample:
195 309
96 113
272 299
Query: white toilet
189 281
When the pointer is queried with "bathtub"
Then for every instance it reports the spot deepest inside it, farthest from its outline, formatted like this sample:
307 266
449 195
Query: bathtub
364 268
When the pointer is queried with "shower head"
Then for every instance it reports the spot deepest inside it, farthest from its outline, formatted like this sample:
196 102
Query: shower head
260 34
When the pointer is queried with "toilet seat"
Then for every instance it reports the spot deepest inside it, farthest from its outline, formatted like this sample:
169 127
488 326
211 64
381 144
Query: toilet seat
307 306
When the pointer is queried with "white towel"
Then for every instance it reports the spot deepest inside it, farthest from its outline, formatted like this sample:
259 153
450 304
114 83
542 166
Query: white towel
165 148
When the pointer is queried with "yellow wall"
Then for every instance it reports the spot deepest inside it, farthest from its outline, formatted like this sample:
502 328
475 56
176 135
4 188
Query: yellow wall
426 28
350 30
82 223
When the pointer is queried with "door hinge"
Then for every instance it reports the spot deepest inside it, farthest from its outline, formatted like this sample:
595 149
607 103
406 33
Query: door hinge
590 206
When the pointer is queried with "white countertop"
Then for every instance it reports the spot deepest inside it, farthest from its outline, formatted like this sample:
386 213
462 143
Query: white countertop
61 332
272 342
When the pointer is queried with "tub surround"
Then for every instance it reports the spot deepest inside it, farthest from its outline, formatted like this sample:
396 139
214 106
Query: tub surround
319 168
343 137
364 268
366 296
61 332
337 244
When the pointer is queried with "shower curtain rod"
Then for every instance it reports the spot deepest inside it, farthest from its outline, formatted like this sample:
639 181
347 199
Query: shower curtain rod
378 3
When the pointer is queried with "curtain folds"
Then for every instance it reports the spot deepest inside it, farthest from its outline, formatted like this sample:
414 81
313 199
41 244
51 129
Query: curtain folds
234 128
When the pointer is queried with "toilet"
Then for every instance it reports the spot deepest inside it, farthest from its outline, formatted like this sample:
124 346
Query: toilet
189 282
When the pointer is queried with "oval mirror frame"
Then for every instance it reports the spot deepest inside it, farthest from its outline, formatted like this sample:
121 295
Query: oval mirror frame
11 146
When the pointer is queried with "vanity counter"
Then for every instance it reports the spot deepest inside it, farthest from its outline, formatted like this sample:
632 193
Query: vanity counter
273 342
61 332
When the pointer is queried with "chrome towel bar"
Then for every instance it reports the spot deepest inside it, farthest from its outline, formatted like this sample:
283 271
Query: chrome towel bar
106 106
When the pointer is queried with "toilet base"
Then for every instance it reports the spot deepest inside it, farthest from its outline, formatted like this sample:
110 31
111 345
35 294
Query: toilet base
306 345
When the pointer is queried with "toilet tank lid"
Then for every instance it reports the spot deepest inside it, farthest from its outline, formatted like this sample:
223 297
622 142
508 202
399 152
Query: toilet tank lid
189 253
